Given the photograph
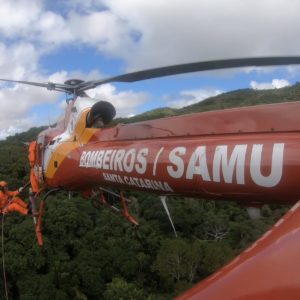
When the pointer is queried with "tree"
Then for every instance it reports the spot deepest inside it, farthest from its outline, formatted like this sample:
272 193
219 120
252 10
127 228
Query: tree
178 259
120 289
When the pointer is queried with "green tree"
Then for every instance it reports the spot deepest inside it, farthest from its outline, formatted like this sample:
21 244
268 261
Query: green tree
120 289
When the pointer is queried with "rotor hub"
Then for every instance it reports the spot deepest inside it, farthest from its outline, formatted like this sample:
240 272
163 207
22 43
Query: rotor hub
73 82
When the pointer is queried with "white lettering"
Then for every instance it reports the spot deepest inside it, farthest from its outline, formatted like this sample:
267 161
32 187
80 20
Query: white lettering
198 164
141 164
106 159
128 162
276 165
82 164
118 160
86 159
178 170
112 160
93 158
236 161
99 160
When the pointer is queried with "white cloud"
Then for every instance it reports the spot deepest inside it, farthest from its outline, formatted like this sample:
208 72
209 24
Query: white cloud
17 16
201 30
192 96
16 107
156 33
275 84
18 60
51 29
29 20
126 103
102 29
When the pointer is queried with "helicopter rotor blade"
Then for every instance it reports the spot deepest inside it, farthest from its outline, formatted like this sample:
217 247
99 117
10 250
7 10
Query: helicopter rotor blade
49 85
194 67
77 87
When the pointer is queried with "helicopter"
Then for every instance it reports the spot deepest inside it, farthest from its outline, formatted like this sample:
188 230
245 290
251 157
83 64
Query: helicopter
249 155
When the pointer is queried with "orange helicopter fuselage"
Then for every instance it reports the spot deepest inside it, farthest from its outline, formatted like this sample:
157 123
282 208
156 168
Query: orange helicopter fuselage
250 155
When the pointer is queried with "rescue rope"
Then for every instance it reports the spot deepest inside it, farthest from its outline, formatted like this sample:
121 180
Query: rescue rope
3 260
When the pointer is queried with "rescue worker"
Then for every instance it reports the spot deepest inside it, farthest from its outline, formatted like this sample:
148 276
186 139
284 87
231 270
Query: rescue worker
32 160
9 202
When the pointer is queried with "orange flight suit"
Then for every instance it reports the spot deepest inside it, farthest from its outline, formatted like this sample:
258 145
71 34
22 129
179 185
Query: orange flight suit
9 202
32 159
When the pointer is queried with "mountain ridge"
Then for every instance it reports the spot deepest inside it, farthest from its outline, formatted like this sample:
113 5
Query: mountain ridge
231 99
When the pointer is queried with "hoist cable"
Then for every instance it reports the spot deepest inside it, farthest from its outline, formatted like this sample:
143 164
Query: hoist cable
3 259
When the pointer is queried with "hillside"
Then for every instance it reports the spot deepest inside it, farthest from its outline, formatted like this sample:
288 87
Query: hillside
245 97
90 253
238 98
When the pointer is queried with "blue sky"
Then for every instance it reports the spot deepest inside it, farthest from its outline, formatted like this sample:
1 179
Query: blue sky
43 40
